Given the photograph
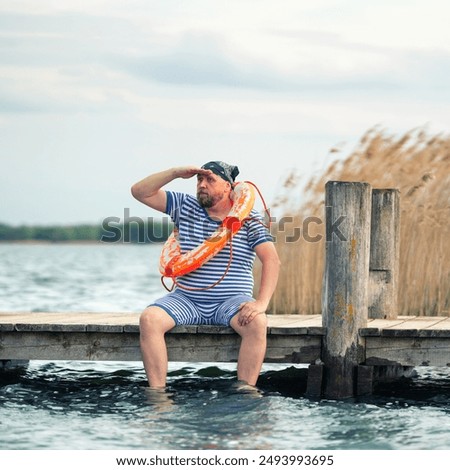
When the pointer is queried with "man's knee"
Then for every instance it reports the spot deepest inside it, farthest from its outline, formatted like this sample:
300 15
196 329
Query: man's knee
155 320
257 327
260 323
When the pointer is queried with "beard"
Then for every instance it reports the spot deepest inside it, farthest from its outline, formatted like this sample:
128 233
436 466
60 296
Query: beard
205 200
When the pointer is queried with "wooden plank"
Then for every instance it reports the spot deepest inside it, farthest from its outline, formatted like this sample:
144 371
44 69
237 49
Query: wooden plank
111 322
414 327
105 328
441 329
182 346
207 330
381 323
415 323
297 321
442 324
71 327
376 326
194 347
9 319
69 346
111 318
131 328
408 328
293 349
6 327
408 351
295 324
432 333
92 319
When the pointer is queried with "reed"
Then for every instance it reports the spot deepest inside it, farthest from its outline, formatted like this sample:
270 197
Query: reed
415 163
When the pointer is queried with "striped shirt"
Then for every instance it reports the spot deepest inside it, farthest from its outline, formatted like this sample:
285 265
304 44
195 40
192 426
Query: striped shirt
195 226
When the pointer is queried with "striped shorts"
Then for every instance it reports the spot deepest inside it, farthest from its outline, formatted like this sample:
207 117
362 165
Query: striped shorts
186 311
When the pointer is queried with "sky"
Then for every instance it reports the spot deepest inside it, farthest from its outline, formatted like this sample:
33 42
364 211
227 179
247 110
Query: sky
97 94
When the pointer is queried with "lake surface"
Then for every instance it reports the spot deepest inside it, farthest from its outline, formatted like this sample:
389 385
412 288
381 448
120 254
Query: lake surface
106 405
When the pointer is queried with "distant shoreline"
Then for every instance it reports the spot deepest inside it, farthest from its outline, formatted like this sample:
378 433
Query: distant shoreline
128 232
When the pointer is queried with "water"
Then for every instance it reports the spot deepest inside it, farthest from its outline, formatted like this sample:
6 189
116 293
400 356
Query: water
106 405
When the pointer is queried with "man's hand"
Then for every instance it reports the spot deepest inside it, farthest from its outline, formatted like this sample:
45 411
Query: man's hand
249 310
186 172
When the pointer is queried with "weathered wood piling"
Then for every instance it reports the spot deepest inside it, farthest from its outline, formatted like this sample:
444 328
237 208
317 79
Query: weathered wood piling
384 253
360 282
345 294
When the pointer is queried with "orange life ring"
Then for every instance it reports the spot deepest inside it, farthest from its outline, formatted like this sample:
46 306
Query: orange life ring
173 263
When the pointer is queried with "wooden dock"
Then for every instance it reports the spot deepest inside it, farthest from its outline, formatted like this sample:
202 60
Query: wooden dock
358 338
294 339
115 337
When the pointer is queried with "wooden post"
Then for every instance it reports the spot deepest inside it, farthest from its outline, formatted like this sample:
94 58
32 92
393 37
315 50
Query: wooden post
364 380
345 286
9 365
314 381
384 254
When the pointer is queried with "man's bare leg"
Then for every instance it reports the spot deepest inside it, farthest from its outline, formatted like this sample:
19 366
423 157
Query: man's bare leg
154 323
253 347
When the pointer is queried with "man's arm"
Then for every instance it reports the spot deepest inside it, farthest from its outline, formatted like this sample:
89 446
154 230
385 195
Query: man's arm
270 261
149 190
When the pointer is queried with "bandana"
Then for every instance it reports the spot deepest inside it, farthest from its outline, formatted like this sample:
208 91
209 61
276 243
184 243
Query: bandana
222 169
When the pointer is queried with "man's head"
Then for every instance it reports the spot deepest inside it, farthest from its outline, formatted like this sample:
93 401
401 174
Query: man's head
222 169
213 188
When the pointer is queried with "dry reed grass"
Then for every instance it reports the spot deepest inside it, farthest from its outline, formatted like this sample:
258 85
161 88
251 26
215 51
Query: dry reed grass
418 165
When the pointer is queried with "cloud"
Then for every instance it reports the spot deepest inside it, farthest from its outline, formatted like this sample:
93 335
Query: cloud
208 60
92 58
10 104
201 59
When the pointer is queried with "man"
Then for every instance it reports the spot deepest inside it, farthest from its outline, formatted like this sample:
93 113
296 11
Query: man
230 302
